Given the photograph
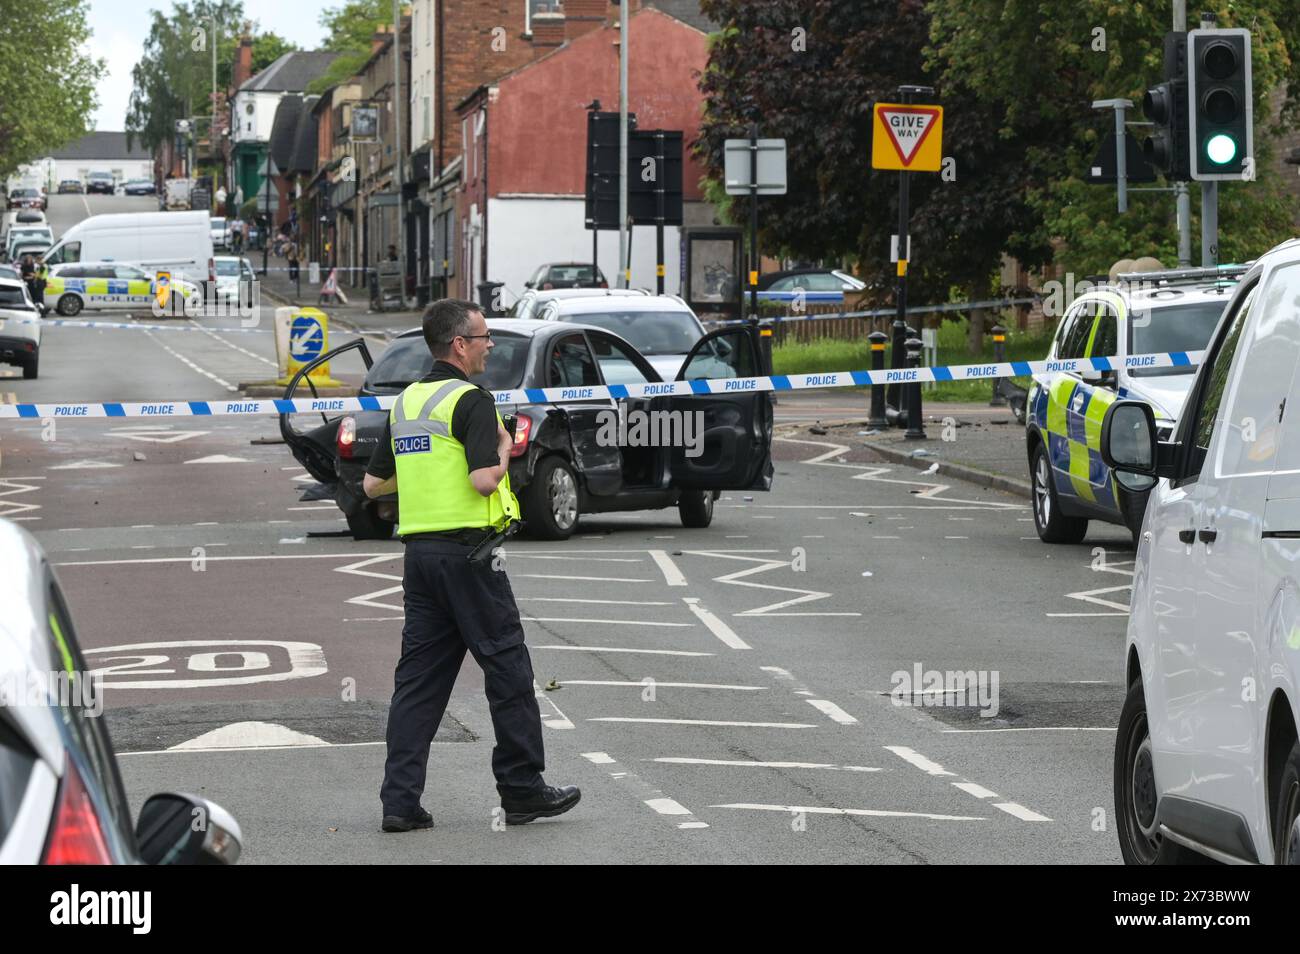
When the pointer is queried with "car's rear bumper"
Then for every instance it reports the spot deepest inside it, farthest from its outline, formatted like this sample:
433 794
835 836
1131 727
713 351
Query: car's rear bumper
12 348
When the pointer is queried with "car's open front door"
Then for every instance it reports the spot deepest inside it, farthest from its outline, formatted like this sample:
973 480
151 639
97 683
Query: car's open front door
725 437
314 447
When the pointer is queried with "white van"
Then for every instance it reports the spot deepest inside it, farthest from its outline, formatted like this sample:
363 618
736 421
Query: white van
1207 757
178 242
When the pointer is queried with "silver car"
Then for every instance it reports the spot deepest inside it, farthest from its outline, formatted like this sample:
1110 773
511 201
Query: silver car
61 797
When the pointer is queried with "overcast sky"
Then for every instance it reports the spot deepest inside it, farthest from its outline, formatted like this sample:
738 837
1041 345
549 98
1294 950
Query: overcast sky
118 28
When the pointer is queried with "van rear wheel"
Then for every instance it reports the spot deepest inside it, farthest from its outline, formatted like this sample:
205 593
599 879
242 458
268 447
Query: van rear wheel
1286 823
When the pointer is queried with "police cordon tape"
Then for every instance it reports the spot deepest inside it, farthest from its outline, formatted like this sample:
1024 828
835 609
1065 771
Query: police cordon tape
778 382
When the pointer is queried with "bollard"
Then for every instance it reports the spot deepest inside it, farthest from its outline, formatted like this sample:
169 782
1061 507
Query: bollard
896 360
877 418
915 430
765 337
999 355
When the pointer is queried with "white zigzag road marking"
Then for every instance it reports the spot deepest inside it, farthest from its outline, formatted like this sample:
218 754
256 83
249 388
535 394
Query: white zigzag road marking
765 564
11 508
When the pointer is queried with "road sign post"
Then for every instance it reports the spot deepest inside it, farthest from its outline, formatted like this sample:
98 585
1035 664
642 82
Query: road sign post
906 137
754 167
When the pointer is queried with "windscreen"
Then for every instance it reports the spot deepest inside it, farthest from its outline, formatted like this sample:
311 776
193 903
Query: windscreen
12 297
1173 328
227 269
408 360
650 332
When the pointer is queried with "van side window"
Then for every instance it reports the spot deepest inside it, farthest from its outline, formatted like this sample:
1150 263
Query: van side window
1216 380
1105 340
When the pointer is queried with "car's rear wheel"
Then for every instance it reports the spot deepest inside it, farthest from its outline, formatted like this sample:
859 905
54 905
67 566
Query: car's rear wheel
1052 525
365 524
696 508
551 500
69 306
1286 822
1136 794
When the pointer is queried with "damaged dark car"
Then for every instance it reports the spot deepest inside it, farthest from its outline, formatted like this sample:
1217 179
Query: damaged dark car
572 457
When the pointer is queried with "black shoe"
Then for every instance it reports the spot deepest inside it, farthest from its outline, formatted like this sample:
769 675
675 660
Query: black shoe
546 802
420 819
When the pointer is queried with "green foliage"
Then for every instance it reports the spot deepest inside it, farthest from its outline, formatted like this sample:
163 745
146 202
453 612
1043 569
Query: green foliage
173 78
47 82
350 29
1097 49
269 47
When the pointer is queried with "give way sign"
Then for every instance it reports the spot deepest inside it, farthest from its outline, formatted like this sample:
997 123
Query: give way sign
907 137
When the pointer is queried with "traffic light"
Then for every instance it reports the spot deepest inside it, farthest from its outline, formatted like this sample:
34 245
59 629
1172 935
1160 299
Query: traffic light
1220 104
1166 106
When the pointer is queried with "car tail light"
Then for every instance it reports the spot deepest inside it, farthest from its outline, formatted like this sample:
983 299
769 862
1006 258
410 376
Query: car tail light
523 427
346 438
212 270
76 837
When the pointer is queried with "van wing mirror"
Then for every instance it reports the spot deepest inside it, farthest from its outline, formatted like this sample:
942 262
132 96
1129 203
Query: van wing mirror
1128 439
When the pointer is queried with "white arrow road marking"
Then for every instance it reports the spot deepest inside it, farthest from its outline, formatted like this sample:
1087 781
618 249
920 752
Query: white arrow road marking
17 485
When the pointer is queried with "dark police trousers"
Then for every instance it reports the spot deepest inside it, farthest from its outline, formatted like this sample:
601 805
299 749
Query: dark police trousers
453 605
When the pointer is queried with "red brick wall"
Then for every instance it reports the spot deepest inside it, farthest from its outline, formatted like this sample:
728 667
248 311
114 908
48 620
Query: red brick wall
537 130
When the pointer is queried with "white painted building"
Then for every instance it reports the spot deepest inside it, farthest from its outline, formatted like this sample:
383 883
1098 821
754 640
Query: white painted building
93 152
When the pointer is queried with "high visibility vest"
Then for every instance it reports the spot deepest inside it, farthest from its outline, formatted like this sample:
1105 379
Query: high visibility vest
433 485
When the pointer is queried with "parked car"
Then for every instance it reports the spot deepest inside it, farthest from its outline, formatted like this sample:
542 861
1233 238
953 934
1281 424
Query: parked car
1207 754
100 182
29 217
661 327
235 278
219 231
27 198
567 275
26 235
559 468
140 187
28 246
71 186
1159 312
531 301
64 800
821 285
20 327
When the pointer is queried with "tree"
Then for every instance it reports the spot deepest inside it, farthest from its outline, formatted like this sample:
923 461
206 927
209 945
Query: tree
349 29
810 71
1001 51
173 78
269 47
47 82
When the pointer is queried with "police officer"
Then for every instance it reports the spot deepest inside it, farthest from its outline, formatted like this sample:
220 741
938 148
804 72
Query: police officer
40 278
446 452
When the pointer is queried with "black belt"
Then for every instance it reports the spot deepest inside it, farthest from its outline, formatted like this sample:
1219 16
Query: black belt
469 538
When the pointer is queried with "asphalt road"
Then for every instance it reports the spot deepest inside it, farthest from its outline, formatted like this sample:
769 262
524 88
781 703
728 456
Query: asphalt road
736 694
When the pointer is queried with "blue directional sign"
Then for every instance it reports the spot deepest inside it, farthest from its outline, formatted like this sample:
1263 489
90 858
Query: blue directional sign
306 338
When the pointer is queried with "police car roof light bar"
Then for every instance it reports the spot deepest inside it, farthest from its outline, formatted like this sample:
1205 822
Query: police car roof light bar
1173 275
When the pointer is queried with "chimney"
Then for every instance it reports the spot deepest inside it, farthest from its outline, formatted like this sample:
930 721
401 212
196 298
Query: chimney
381 36
548 29
243 61
583 16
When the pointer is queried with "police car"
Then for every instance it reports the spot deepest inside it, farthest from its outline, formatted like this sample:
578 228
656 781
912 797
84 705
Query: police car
1145 313
105 285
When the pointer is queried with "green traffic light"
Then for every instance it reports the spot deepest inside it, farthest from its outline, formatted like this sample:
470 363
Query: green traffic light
1221 149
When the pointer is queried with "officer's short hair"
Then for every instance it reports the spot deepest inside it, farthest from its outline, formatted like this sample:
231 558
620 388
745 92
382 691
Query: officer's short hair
444 320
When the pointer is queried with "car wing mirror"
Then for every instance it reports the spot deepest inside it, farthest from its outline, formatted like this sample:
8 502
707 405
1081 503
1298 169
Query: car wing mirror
1129 445
178 829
